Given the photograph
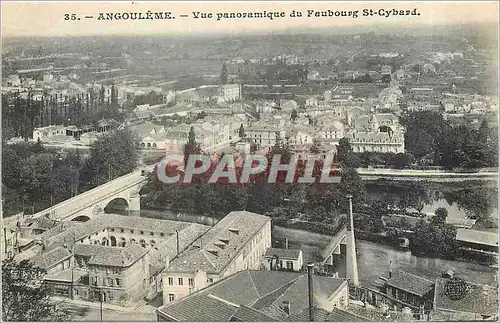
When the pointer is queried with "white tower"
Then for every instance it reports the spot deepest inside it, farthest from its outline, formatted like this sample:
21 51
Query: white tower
351 262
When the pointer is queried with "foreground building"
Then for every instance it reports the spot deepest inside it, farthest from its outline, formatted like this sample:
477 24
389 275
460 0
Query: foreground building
266 296
121 257
235 243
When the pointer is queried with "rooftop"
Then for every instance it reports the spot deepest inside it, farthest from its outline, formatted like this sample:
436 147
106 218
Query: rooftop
478 299
214 250
252 295
479 237
283 253
410 283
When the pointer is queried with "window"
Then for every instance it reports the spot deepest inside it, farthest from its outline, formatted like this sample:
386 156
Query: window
142 232
162 234
191 282
210 280
289 265
121 230
181 281
117 280
171 297
170 281
112 230
152 233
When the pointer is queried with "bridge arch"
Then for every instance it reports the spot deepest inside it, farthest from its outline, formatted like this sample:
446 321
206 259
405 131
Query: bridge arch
118 205
81 218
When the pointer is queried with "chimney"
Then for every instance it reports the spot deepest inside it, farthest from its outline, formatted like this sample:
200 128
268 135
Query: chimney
390 269
311 292
286 307
351 262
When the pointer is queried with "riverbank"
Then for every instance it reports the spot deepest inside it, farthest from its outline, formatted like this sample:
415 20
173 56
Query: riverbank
373 258
321 231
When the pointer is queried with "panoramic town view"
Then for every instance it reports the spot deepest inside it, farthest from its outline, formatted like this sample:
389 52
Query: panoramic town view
406 228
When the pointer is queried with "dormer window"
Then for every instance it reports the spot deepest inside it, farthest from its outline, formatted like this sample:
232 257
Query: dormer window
235 231
214 252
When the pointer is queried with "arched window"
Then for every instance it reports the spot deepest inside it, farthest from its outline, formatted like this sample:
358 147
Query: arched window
155 145
152 243
143 243
123 242
132 240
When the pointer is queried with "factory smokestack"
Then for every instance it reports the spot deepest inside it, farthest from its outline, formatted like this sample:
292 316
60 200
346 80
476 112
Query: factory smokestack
351 262
310 286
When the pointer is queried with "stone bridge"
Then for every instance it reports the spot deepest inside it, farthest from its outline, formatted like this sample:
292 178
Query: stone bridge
91 203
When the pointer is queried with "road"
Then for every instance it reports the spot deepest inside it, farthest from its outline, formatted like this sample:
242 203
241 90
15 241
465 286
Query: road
80 312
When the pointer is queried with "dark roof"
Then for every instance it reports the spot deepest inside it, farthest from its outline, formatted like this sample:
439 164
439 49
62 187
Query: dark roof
479 299
338 315
319 315
43 223
219 245
283 253
47 260
262 291
200 308
410 283
110 256
247 314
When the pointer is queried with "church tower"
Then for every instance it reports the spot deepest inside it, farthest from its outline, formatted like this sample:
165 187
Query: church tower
351 262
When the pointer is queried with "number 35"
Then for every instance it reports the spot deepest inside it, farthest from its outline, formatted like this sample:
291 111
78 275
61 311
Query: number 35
67 16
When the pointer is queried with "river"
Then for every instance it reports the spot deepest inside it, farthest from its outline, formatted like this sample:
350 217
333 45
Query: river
373 259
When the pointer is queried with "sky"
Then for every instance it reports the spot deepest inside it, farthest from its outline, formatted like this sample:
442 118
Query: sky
45 18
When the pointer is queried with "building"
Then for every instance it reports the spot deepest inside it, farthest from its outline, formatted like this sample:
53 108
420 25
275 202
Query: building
235 243
48 132
151 136
478 240
410 289
265 135
470 302
230 92
283 259
212 135
120 256
250 296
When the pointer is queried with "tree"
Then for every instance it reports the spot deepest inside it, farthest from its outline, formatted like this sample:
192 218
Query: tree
441 215
343 149
294 115
434 239
423 132
352 184
111 156
315 148
241 131
401 160
223 74
25 296
415 195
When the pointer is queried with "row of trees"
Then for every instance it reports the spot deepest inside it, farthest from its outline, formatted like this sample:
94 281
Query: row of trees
320 201
436 141
35 177
20 115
